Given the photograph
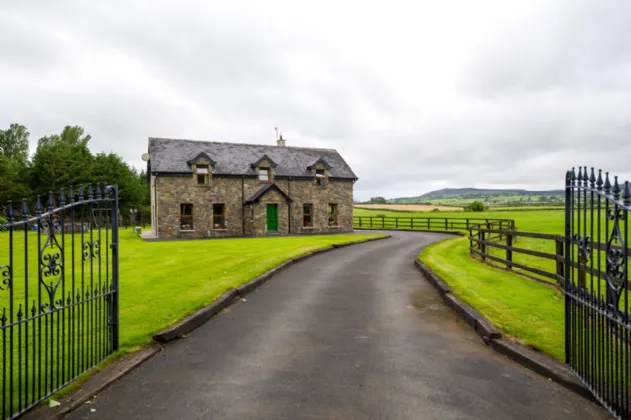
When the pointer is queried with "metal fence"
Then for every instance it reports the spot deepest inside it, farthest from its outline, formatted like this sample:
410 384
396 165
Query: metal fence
58 292
596 286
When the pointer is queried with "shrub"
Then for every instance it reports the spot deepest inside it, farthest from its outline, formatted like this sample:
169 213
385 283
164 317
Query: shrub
2 220
475 206
434 210
381 215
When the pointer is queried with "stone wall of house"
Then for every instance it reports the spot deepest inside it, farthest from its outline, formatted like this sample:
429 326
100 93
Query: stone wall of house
176 190
233 192
332 192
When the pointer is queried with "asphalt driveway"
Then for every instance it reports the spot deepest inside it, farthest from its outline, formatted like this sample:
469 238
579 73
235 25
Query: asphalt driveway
351 334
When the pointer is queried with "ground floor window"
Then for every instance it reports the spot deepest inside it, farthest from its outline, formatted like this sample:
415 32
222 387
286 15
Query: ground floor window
219 216
307 215
333 215
186 216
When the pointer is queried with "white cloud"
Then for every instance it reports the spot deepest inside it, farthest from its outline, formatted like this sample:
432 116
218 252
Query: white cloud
415 95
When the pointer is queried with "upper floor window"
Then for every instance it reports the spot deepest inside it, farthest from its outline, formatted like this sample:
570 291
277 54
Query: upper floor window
307 215
219 216
320 176
203 174
265 174
333 215
186 216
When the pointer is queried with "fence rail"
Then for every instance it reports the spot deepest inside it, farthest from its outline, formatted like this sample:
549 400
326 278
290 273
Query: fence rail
436 224
482 243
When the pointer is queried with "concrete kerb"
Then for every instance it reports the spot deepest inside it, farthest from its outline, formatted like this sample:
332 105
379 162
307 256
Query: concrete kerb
95 384
525 356
101 380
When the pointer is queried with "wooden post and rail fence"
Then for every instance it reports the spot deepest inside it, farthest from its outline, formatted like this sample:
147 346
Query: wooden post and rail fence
494 241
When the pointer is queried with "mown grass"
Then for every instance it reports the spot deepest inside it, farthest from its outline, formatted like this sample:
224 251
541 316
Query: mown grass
519 307
160 282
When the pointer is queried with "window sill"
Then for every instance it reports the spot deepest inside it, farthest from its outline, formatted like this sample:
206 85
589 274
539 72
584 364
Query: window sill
219 229
203 185
334 226
308 227
187 230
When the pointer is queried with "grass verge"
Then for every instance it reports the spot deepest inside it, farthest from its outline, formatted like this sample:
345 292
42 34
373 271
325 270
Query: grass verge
521 308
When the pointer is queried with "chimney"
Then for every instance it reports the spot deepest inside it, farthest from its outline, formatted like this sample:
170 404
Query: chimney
280 142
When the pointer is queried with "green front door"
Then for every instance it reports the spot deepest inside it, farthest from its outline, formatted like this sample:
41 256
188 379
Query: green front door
272 217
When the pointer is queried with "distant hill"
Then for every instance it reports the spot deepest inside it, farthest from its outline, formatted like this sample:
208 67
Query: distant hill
463 196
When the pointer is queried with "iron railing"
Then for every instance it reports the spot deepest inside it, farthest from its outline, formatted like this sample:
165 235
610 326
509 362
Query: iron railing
58 293
597 328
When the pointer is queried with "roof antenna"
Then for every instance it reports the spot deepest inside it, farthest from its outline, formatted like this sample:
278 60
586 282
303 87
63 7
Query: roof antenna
276 128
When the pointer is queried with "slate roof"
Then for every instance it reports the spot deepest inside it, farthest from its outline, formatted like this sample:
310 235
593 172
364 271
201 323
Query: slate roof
263 190
172 155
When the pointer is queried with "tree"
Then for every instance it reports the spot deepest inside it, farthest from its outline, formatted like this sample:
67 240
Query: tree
14 143
378 200
112 170
12 185
62 160
475 206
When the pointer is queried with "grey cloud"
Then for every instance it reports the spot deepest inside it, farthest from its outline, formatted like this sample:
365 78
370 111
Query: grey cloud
548 90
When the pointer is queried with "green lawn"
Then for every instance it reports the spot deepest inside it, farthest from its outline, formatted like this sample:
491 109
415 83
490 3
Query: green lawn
161 282
519 307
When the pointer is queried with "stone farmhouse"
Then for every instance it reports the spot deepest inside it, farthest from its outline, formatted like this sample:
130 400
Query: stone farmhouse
209 189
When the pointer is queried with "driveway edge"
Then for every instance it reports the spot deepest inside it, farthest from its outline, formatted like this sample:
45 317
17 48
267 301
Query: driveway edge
119 368
525 356
95 384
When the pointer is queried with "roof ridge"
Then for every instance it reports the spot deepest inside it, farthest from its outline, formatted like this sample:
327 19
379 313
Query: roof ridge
246 144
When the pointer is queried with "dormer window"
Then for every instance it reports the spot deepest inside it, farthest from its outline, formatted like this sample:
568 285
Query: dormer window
265 174
320 176
203 174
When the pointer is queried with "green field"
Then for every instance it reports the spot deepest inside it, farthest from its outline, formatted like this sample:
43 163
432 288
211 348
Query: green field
519 307
160 282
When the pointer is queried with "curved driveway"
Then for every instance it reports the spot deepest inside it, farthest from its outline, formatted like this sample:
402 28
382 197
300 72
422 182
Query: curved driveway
351 334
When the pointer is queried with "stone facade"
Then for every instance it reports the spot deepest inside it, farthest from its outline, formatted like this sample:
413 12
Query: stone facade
241 219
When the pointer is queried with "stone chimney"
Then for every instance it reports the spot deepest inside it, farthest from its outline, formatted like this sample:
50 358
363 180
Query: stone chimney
281 141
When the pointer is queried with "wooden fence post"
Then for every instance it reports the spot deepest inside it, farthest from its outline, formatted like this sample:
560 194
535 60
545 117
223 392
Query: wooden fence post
482 235
370 221
501 230
396 221
446 228
509 251
383 222
560 263
467 224
429 226
412 223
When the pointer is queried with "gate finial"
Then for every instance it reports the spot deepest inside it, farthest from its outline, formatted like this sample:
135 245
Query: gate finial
592 179
607 183
38 207
10 212
599 182
62 198
616 188
24 209
626 197
50 203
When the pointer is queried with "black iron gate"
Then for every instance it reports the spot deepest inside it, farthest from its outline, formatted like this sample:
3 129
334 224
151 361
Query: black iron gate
598 338
58 292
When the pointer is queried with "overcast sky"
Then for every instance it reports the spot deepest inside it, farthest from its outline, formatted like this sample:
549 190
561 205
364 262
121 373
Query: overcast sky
416 95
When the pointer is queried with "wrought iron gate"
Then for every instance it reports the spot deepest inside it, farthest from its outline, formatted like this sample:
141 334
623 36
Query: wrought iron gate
58 292
597 329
